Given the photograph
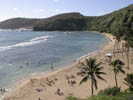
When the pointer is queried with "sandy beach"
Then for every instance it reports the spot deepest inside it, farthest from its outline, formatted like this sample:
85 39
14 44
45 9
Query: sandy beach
39 87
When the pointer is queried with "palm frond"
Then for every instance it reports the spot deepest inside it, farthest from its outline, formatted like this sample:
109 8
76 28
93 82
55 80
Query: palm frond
126 83
98 73
99 77
84 80
117 66
122 71
99 64
91 70
81 73
99 68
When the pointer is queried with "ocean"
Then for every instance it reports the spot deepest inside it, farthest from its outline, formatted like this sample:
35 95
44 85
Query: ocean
27 53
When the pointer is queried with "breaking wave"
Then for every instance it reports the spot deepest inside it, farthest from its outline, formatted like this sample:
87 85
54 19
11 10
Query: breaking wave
31 42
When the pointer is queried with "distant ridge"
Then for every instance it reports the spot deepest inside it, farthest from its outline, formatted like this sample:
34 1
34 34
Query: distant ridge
74 22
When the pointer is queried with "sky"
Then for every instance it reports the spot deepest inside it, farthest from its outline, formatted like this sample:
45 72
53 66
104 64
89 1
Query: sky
47 8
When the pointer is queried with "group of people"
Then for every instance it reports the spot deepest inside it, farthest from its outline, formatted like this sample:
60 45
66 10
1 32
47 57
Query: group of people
27 64
50 82
71 79
3 90
71 82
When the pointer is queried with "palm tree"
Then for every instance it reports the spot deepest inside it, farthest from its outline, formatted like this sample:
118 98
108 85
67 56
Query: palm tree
129 81
127 47
117 66
127 30
118 33
91 70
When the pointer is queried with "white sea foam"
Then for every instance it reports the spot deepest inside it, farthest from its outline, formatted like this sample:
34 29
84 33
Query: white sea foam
40 38
31 42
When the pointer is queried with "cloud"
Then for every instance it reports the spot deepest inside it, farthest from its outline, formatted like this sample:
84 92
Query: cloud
38 11
15 9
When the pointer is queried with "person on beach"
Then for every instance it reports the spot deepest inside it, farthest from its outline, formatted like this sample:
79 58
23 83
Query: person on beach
52 68
27 64
3 90
69 81
59 92
38 62
39 98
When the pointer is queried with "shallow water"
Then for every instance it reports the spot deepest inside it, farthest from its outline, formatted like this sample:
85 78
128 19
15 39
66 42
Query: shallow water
25 53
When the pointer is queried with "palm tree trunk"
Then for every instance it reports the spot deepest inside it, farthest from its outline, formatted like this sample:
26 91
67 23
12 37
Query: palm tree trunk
118 47
114 49
116 79
122 50
127 61
127 54
92 91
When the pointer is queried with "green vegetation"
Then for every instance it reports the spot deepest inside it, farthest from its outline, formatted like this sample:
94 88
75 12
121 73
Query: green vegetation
112 21
90 71
122 96
119 23
71 24
76 22
16 23
129 81
62 22
109 94
117 66
110 91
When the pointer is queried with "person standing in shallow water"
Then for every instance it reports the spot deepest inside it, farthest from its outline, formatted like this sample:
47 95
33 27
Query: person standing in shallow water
52 68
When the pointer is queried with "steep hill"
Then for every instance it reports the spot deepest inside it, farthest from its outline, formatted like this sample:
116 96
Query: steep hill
109 22
16 23
63 22
75 22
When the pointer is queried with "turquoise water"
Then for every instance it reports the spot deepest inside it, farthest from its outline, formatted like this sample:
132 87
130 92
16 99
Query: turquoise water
25 53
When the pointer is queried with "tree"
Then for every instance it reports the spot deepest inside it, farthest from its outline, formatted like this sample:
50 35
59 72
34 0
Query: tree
117 66
91 70
128 38
128 45
118 34
129 81
127 48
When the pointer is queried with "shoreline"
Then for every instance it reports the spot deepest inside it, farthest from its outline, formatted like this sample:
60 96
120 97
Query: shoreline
61 67
39 76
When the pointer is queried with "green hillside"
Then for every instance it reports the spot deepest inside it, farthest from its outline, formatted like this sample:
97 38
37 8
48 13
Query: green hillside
75 22
62 22
16 23
109 22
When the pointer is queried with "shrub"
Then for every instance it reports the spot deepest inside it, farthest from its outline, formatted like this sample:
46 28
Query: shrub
129 81
72 98
110 91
